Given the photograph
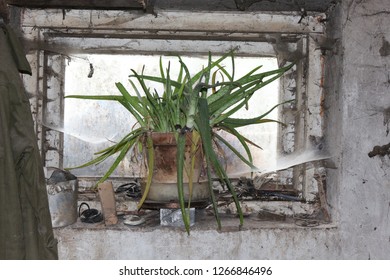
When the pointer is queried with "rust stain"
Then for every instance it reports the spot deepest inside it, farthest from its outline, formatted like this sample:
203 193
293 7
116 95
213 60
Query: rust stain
322 84
322 80
322 105
165 152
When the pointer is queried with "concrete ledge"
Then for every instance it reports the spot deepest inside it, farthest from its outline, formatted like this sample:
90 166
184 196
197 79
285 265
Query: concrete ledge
256 240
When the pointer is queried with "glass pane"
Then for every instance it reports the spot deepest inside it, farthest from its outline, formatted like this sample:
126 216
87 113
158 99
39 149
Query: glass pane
91 126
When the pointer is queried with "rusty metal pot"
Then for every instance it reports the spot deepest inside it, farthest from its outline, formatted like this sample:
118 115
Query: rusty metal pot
164 183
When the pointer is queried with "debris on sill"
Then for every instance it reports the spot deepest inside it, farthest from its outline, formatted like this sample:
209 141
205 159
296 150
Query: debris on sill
131 189
315 219
320 177
133 220
265 189
270 216
248 190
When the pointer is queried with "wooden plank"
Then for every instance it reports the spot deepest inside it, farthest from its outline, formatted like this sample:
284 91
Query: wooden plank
107 200
81 4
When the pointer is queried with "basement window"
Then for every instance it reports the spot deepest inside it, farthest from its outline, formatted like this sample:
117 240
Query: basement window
90 54
90 126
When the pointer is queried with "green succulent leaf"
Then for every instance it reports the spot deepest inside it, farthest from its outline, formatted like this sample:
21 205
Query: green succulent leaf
150 161
181 142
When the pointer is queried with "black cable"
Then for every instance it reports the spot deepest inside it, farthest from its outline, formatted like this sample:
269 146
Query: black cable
90 216
131 189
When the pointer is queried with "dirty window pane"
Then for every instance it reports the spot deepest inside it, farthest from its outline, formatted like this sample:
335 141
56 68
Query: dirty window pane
90 126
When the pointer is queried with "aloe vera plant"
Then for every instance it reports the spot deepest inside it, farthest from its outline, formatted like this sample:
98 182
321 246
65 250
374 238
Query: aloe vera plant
189 103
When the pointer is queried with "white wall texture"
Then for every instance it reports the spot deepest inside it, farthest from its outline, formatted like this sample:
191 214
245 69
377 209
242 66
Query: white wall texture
358 120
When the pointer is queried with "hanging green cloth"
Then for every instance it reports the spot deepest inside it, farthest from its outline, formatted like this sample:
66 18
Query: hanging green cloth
25 224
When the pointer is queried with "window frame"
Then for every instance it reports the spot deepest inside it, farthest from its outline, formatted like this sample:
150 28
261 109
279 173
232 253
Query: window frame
55 35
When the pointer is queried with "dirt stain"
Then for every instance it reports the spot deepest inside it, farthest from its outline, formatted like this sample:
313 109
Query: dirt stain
380 151
385 49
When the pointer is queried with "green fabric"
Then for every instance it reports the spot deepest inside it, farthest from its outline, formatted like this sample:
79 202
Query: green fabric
25 225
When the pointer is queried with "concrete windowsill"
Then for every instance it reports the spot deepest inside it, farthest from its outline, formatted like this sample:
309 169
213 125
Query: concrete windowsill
206 222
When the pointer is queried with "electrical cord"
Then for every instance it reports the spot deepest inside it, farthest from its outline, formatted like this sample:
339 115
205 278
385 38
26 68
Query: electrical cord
131 189
90 215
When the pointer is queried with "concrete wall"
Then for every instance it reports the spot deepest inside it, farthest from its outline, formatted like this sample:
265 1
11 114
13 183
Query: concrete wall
358 120
357 103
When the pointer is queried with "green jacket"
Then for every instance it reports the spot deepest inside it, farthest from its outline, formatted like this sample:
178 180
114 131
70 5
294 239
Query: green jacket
25 224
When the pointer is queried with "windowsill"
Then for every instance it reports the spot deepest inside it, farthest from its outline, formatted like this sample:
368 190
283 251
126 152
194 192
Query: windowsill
258 215
206 222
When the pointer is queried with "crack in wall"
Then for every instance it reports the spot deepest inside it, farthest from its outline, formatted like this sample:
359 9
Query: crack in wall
377 14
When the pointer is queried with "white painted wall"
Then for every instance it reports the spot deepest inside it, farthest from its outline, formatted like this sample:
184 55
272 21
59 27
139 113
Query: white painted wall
358 120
